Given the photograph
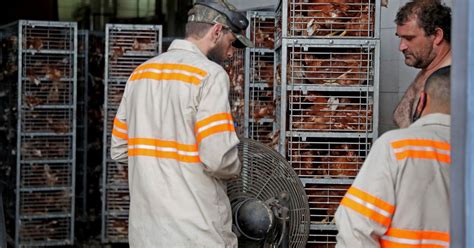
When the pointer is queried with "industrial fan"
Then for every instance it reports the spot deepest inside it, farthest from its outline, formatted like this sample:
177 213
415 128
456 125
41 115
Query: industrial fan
269 204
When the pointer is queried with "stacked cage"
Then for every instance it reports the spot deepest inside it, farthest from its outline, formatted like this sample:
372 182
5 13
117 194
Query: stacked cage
259 77
39 60
127 46
235 70
327 111
81 140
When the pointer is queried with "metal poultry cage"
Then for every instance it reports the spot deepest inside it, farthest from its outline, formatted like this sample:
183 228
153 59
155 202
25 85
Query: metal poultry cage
236 71
357 19
127 46
259 113
326 87
40 67
82 120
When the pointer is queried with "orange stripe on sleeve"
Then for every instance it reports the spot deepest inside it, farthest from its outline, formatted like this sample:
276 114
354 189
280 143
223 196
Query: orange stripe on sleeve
363 210
166 76
372 200
120 124
421 142
445 158
213 130
213 118
181 67
119 134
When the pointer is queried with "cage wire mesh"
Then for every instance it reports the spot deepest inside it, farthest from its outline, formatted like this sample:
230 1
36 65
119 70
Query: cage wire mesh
235 69
265 174
39 83
127 46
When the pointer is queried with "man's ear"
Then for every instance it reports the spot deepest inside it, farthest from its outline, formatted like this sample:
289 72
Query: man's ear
422 103
216 32
438 36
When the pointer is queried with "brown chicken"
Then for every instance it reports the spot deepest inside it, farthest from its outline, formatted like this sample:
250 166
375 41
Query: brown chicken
263 110
324 200
342 161
342 69
263 37
326 19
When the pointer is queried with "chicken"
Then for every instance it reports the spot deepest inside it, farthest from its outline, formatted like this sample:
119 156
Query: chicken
263 111
263 72
263 39
120 227
326 19
143 44
116 52
30 73
342 161
324 200
34 43
341 69
53 73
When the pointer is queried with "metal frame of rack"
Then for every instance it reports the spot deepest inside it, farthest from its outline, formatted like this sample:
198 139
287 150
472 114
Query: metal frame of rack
44 95
327 77
82 119
127 46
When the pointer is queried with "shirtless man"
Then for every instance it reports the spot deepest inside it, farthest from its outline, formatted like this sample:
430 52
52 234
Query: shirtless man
424 28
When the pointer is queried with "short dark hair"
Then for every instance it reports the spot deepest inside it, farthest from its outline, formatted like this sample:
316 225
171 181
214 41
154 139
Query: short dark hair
431 14
196 29
438 87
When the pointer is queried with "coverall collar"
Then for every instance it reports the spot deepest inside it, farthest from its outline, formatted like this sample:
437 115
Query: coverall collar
180 44
433 119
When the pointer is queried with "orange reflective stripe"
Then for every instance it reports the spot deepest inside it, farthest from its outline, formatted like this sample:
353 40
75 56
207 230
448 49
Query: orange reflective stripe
163 154
181 67
119 134
422 142
445 158
390 244
213 130
410 234
213 118
166 76
371 199
369 213
120 124
163 143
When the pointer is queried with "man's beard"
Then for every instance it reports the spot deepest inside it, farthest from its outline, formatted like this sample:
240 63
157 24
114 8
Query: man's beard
217 54
424 60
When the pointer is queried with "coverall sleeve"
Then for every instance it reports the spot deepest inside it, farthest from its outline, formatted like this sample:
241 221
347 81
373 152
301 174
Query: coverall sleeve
119 142
366 211
214 129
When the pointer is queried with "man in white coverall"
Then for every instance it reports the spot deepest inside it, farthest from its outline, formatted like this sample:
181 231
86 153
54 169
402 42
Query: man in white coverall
175 130
400 197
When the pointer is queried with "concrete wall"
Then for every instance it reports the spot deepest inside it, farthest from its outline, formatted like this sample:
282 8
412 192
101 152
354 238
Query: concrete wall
395 76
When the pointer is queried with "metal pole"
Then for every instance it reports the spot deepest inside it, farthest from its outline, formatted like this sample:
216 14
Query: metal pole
462 131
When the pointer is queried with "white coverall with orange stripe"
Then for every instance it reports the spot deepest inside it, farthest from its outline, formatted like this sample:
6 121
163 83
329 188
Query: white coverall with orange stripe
175 130
400 197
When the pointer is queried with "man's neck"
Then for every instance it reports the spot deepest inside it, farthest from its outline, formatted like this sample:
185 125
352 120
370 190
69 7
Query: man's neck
442 59
200 44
